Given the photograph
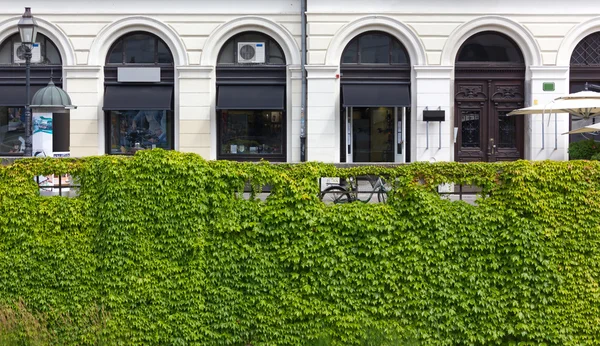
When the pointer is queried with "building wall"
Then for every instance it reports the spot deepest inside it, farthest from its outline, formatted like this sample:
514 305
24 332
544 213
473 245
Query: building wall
431 30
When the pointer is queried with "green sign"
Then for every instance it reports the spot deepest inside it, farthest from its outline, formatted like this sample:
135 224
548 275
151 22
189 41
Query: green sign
548 86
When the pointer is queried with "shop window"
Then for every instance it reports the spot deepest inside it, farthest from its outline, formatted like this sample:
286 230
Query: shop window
139 113
251 132
490 47
139 48
251 102
12 130
44 51
134 130
375 48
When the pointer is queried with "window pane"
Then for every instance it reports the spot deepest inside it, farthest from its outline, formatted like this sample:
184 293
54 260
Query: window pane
350 55
490 47
374 49
116 55
52 55
275 54
470 127
12 130
6 52
251 132
398 53
507 130
164 54
131 131
139 49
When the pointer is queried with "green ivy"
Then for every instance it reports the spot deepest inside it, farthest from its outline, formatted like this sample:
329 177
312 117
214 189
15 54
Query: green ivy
172 252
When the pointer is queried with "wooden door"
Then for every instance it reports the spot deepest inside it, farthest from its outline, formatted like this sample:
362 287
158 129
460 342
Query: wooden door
485 133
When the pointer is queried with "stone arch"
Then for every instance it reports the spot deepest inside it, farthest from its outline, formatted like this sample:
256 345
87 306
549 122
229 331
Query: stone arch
572 39
109 34
220 35
400 31
522 37
9 27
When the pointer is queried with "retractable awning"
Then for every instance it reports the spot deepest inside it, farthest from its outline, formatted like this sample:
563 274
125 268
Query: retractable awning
138 97
251 97
375 95
14 95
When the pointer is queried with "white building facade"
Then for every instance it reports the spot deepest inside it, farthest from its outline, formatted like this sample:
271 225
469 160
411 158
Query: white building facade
181 75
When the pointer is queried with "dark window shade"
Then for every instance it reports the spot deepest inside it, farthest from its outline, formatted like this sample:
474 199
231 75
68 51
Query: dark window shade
61 131
376 95
138 97
261 97
14 95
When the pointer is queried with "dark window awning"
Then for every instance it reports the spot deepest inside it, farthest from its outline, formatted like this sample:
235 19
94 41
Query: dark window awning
14 95
138 97
251 97
376 95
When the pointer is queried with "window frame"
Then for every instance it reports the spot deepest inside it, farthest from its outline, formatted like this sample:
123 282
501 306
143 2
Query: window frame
170 113
487 62
123 40
391 40
235 39
46 41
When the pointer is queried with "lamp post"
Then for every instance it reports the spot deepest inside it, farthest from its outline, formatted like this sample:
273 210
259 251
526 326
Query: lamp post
28 31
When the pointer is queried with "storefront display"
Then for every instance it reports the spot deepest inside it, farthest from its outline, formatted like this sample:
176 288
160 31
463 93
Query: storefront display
135 130
12 130
251 132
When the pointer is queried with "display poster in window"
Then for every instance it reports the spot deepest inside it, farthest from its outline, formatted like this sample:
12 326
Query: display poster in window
42 134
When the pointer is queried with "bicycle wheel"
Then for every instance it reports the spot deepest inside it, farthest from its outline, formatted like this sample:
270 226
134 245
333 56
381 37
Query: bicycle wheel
382 196
335 194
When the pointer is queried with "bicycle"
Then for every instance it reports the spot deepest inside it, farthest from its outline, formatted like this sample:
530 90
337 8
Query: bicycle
349 192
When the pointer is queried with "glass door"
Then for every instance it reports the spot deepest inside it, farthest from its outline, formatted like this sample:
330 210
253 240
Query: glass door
375 134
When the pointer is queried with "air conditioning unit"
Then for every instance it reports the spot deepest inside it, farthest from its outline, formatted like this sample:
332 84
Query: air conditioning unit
251 52
36 53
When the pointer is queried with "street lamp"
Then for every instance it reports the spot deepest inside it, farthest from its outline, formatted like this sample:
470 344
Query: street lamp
28 31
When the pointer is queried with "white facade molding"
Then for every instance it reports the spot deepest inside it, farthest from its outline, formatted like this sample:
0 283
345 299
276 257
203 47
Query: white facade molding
409 39
434 72
322 71
521 35
549 72
573 37
195 72
109 34
8 27
224 32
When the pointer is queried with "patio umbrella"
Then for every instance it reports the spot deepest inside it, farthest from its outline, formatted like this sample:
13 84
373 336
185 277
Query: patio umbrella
585 129
585 104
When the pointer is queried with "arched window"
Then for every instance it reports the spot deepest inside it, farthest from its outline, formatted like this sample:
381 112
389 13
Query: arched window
490 47
44 51
138 94
46 62
251 99
375 97
375 48
248 46
139 48
587 52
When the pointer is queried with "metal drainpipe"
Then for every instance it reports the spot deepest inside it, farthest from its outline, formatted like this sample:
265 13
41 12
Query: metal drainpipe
303 110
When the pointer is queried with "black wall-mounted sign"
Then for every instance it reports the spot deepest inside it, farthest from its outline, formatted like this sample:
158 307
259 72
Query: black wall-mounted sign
434 115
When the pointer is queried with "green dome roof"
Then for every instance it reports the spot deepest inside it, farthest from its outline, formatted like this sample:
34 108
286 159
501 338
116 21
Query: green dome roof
52 98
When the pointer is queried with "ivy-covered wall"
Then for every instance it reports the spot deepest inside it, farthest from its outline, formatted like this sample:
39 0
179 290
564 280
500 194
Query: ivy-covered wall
169 249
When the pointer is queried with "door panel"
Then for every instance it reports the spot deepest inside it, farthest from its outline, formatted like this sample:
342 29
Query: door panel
485 133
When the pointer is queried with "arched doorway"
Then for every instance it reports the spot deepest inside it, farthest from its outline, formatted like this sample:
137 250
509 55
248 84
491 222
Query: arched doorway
46 63
251 99
489 83
138 94
375 98
585 68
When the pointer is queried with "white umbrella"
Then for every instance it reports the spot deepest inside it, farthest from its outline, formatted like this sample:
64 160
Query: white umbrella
585 129
585 104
